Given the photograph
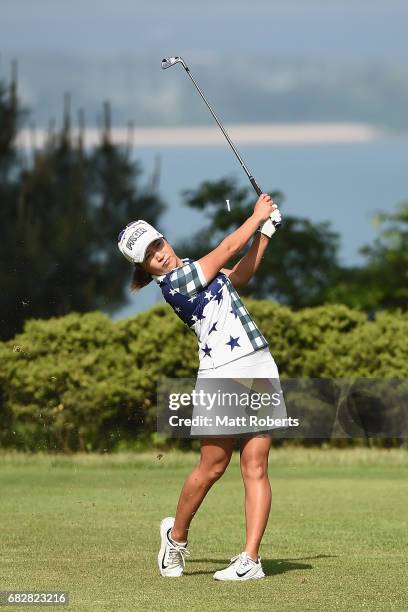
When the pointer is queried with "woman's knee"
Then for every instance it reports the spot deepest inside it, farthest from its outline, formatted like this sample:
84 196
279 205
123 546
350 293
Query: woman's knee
215 457
254 457
254 468
216 471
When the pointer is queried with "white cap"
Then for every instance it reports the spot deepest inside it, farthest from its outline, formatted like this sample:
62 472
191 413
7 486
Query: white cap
135 238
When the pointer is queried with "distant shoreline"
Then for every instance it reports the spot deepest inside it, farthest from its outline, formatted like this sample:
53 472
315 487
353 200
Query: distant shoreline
248 134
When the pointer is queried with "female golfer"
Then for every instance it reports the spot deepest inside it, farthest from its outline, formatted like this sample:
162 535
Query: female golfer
202 293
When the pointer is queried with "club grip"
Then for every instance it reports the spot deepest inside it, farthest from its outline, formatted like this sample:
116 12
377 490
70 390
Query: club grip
255 185
259 192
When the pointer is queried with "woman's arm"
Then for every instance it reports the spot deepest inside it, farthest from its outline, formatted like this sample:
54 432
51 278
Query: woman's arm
212 263
243 271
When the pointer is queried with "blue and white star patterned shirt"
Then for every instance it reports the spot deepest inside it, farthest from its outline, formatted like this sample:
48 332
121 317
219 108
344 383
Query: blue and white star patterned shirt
214 311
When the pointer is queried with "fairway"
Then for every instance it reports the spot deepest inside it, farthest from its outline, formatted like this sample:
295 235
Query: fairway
336 540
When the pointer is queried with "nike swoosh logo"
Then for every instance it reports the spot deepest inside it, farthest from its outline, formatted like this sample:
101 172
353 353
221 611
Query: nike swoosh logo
162 561
240 575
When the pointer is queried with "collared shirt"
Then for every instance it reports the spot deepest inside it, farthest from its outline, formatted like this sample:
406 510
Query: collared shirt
214 311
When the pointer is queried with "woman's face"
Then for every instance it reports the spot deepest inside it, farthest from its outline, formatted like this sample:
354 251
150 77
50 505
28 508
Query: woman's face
160 258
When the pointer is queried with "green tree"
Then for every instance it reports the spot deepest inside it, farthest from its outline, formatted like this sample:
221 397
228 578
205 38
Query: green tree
60 215
297 269
382 282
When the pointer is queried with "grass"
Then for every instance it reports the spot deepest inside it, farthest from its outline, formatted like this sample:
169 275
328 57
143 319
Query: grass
336 540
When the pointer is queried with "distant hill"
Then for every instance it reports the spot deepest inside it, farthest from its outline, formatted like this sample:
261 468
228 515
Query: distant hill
255 89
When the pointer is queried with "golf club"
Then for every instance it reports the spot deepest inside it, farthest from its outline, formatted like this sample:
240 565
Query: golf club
168 62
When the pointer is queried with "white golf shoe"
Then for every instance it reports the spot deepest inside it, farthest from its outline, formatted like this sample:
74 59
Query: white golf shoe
242 567
171 558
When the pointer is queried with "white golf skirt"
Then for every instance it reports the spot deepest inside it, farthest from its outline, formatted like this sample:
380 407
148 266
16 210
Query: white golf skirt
257 365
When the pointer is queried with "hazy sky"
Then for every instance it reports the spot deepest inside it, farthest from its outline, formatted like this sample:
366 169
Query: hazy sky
342 28
265 61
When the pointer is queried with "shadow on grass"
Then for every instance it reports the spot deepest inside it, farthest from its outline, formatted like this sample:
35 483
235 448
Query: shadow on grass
271 567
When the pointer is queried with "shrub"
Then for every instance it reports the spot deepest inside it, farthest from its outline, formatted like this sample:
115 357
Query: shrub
84 382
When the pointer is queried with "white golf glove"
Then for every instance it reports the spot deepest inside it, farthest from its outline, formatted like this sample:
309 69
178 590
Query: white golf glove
268 227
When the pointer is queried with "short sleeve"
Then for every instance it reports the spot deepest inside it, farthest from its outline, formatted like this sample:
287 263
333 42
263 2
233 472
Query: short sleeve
188 279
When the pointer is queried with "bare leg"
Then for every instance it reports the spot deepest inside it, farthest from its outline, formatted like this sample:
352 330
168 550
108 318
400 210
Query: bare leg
215 456
258 493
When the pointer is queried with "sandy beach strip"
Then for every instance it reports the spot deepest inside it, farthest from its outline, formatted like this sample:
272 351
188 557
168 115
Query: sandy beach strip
247 134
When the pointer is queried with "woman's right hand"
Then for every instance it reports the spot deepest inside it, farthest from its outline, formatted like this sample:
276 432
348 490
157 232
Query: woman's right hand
264 207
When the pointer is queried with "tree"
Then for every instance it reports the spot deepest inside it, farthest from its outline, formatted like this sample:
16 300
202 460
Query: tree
382 282
60 215
297 269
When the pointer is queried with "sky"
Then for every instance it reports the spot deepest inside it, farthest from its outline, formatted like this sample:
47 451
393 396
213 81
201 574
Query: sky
268 60
338 28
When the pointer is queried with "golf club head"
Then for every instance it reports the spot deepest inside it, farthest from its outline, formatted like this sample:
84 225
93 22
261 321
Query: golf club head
167 62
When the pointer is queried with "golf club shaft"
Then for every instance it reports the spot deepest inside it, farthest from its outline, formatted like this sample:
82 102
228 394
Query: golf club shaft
241 161
171 61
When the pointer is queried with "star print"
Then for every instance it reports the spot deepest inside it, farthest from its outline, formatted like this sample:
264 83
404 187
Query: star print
208 295
219 280
214 328
234 312
194 318
218 297
173 291
233 342
200 317
177 309
161 283
207 351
